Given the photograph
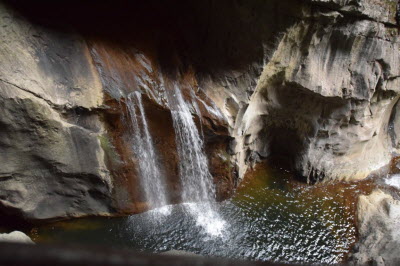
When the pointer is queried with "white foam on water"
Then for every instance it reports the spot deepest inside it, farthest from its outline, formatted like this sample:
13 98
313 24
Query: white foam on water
164 210
393 181
208 219
154 217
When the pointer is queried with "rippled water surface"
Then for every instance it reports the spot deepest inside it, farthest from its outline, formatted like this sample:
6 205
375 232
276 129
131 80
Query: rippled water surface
271 217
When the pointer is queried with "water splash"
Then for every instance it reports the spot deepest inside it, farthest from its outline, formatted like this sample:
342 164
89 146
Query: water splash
151 179
268 218
198 188
208 218
393 181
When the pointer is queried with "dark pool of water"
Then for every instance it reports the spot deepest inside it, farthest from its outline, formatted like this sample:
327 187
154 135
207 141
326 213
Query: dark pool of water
271 217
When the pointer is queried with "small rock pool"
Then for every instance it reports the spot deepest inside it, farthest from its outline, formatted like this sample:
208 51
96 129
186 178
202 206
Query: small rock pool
271 217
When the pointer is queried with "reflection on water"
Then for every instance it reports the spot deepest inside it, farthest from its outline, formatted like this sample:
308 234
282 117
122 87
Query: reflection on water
271 217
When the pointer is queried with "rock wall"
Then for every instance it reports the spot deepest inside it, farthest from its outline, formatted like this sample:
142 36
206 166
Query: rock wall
326 93
52 163
65 139
315 82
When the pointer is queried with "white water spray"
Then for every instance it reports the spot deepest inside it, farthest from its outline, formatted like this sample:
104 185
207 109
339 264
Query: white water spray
151 179
198 189
393 181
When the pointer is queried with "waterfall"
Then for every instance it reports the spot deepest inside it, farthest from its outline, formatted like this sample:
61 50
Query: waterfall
151 180
198 189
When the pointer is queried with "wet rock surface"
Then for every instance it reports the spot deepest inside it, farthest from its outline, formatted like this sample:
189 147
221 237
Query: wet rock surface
315 81
325 97
52 164
378 222
66 144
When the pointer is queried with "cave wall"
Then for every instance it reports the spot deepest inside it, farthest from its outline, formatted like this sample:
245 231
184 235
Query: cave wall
314 82
52 163
66 141
327 92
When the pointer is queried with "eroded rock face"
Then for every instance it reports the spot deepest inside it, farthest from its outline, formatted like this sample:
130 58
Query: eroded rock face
51 166
379 221
325 97
314 81
382 11
65 138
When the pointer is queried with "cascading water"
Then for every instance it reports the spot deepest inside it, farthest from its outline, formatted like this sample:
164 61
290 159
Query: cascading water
151 179
198 189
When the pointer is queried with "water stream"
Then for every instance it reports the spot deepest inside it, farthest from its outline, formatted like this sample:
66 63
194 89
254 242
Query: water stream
197 187
151 180
198 190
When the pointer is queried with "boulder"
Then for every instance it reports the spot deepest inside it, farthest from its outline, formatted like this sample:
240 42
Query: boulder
378 218
16 236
